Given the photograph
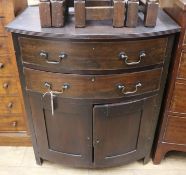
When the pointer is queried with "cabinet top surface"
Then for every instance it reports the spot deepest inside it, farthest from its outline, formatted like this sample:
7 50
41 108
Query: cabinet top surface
29 23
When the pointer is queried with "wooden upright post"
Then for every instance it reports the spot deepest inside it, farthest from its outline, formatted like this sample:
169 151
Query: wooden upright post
132 13
119 13
45 13
80 13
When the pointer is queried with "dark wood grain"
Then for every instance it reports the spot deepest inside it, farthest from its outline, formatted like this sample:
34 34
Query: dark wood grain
182 66
132 13
174 104
72 126
178 99
94 87
94 56
118 13
69 134
99 13
95 30
176 131
45 14
80 15
57 13
151 13
115 121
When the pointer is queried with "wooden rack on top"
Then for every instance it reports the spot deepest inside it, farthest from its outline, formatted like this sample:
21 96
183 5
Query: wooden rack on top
53 13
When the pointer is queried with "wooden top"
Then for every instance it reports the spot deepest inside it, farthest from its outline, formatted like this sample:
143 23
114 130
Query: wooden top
29 23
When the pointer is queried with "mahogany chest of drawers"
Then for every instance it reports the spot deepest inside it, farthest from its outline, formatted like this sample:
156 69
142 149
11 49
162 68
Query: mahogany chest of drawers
92 95
172 133
13 128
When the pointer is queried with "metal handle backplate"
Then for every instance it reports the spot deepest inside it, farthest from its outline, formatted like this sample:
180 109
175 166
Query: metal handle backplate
122 88
125 57
44 54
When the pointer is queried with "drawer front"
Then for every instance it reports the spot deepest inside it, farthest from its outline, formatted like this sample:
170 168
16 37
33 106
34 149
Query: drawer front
12 123
176 130
184 39
66 56
6 67
4 49
182 66
94 87
8 86
2 28
178 103
10 105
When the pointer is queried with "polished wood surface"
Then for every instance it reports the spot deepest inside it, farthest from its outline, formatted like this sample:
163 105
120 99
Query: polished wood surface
68 111
94 87
182 66
115 121
95 30
175 131
8 86
12 123
171 133
178 100
95 56
6 66
13 126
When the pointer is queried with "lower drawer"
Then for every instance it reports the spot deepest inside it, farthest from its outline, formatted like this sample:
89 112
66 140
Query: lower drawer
12 123
8 86
94 87
176 130
10 105
178 103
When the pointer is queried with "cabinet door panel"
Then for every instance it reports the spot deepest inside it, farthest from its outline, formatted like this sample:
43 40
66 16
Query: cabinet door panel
121 131
66 136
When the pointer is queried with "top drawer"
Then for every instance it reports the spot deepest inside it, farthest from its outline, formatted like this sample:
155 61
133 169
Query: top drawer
69 57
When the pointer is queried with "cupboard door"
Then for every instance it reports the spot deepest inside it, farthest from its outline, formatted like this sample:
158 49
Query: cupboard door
66 136
121 132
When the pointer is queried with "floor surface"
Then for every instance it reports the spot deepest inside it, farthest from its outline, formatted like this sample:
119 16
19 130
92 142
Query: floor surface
21 161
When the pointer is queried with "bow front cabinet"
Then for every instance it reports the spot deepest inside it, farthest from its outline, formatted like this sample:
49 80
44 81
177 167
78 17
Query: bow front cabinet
93 94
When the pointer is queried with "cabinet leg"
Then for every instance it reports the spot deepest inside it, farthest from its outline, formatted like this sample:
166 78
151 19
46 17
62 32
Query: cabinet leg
159 154
146 159
39 160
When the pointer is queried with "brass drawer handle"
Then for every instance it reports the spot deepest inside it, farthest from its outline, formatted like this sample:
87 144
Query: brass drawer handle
63 88
122 88
44 54
5 85
123 56
1 65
